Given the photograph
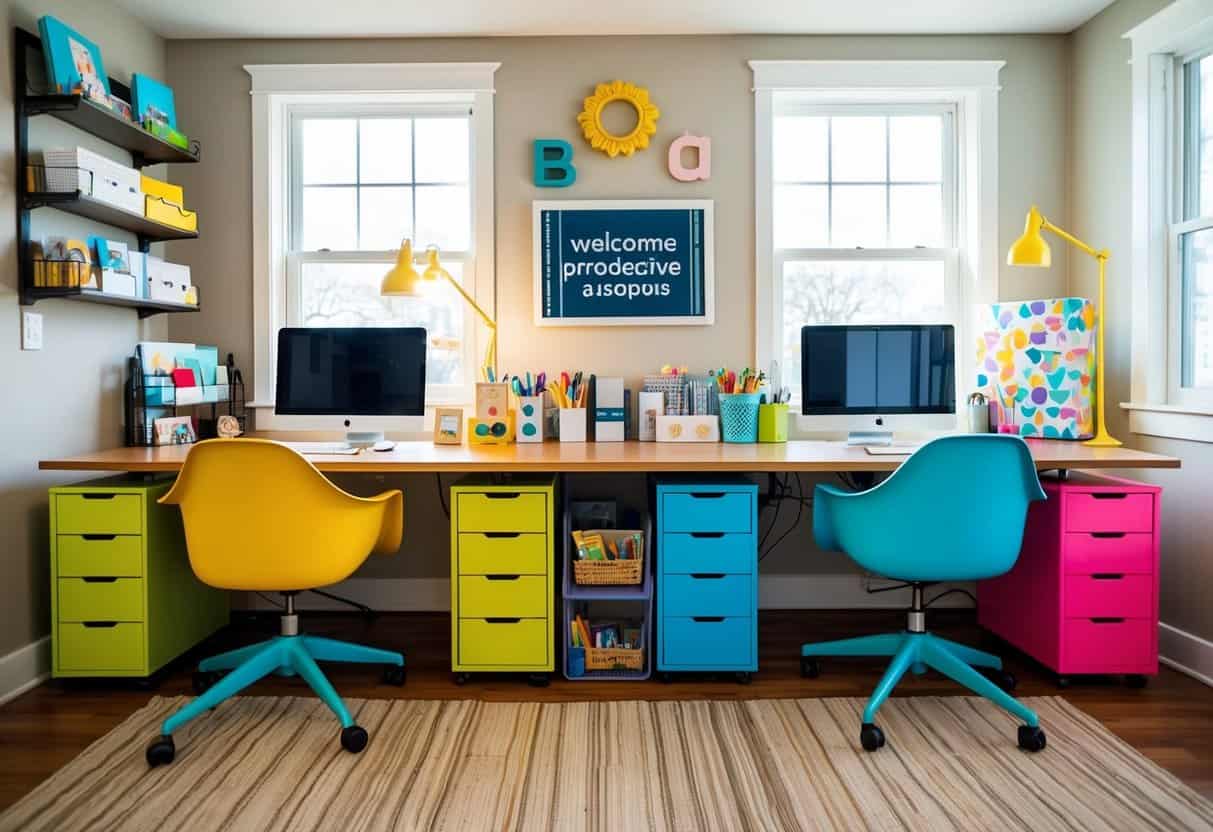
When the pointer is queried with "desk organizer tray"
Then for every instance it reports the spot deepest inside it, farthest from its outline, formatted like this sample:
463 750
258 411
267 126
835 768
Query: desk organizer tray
688 428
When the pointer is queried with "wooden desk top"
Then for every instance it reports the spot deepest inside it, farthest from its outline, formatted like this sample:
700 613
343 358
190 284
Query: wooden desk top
553 457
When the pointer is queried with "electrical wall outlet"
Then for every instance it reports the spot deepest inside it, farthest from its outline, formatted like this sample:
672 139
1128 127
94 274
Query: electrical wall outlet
31 330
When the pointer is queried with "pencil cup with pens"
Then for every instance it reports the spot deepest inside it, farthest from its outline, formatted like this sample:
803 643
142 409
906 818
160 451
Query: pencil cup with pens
571 394
528 421
739 402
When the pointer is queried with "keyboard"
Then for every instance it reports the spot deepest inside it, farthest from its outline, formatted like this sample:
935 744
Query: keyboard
322 448
896 449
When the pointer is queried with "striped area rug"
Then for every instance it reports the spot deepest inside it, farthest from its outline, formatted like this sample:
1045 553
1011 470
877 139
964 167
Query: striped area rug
259 763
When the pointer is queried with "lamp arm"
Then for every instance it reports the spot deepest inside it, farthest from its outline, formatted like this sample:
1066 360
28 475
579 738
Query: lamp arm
489 322
1072 240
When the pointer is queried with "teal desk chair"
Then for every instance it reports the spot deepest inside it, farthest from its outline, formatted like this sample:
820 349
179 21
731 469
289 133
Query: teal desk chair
954 511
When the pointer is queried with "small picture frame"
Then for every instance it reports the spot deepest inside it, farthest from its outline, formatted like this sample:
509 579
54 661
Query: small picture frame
175 430
448 426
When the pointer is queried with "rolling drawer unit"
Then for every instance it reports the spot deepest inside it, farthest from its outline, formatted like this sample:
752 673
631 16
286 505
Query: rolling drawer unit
1083 596
502 577
124 601
707 584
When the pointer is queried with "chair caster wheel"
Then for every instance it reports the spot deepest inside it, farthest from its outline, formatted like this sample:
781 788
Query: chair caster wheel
460 679
538 680
204 680
743 677
394 674
666 677
810 668
354 738
1031 739
1063 682
161 751
1005 679
871 737
1137 681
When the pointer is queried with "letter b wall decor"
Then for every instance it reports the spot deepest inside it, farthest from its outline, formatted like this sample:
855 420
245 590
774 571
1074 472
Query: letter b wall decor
554 164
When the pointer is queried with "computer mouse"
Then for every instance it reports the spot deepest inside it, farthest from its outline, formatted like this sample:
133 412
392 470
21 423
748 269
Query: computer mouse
385 445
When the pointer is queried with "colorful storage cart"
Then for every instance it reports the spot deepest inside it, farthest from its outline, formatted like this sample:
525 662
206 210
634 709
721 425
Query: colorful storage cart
707 579
502 577
124 601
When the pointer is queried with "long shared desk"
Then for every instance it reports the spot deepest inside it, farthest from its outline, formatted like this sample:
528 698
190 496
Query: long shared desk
804 456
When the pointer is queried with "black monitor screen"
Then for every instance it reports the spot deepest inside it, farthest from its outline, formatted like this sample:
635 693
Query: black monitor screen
877 369
371 371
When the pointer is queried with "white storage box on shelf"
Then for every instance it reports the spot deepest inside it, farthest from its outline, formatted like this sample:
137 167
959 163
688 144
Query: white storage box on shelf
167 282
79 169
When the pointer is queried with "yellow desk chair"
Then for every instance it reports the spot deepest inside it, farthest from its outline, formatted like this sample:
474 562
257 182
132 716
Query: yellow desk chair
258 516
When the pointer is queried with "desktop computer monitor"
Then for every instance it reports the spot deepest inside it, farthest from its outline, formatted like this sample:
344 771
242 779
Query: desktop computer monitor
872 380
368 379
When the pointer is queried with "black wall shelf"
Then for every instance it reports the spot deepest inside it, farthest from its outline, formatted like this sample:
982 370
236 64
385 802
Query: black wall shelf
145 149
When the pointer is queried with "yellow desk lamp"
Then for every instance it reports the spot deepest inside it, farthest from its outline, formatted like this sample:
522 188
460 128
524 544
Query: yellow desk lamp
1032 250
403 280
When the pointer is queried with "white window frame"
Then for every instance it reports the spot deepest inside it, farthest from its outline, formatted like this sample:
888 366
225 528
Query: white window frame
1159 406
278 93
969 90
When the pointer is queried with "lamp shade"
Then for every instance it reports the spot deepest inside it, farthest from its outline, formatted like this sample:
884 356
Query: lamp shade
1030 249
402 280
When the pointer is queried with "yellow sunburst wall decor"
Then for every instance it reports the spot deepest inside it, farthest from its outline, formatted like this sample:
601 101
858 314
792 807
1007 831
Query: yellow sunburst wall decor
612 145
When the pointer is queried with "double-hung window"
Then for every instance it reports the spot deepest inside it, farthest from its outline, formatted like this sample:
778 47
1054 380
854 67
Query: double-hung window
1190 376
349 160
361 181
863 216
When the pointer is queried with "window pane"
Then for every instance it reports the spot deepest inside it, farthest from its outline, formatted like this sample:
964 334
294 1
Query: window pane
385 150
1206 136
857 216
328 150
329 219
800 149
347 294
915 215
1197 322
915 148
857 148
849 292
443 217
386 218
801 216
442 149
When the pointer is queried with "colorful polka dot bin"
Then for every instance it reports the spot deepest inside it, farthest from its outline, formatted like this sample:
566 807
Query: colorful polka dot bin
1036 363
530 418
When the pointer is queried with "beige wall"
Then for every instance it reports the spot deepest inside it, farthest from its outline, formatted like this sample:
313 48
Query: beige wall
67 398
702 84
1100 213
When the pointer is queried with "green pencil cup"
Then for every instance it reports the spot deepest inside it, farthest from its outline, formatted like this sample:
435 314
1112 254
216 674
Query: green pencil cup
772 423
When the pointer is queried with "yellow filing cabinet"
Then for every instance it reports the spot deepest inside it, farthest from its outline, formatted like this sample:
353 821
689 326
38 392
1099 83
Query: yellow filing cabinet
502 581
124 601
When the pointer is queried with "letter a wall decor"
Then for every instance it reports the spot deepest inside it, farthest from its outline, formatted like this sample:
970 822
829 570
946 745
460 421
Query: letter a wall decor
703 162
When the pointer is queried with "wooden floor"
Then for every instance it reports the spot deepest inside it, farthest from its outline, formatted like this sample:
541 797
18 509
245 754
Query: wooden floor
1170 721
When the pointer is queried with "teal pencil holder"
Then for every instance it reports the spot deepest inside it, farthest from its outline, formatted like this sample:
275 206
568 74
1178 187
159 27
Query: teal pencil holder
739 417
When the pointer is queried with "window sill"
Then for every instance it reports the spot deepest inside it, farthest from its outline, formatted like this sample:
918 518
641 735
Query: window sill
1194 424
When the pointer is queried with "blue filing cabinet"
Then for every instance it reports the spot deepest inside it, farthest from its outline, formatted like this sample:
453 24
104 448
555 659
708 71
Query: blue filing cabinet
707 577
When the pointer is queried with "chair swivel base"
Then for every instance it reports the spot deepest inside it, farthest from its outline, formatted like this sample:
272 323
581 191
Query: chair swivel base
285 654
915 652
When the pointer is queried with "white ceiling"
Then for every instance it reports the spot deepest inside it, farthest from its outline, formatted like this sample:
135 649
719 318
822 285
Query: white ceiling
403 18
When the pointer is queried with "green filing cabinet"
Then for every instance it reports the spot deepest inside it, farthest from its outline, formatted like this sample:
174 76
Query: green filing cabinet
124 601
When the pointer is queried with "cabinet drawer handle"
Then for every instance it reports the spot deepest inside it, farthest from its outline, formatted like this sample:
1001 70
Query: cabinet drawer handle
1107 576
708 495
502 620
502 495
1107 535
100 625
1107 620
707 576
93 495
501 535
1108 495
98 536
93 579
502 577
708 619
707 534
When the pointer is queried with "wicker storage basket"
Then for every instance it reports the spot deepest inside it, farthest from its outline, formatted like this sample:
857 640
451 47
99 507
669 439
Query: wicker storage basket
611 572
613 658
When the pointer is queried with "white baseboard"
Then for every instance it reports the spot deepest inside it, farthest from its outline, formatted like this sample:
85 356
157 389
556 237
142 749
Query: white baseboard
775 592
25 668
1186 653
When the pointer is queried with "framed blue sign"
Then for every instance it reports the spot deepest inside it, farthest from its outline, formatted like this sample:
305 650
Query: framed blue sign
623 262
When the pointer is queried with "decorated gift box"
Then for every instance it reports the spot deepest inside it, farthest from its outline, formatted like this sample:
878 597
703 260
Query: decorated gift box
1036 363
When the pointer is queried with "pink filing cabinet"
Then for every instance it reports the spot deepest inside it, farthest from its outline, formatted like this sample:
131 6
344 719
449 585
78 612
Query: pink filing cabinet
1083 596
